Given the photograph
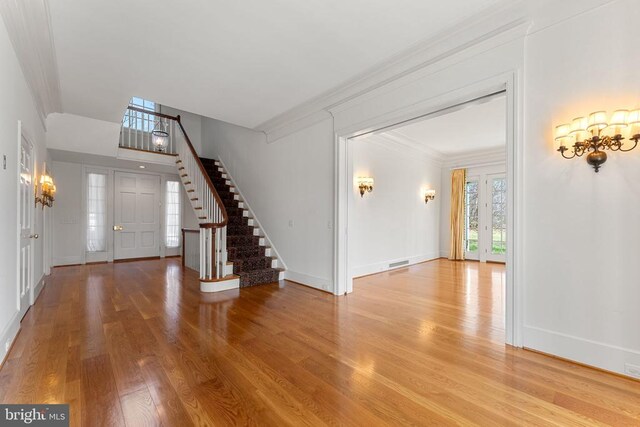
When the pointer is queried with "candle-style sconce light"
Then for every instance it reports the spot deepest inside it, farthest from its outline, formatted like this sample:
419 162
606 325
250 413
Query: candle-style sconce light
365 185
596 134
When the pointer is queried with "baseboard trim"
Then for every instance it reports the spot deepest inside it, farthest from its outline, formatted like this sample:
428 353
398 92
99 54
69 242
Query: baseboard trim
8 337
68 260
308 280
595 368
381 267
592 353
38 288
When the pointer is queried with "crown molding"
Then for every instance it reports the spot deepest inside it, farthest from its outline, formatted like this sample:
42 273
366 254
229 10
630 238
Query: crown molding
471 158
508 16
28 24
402 144
476 158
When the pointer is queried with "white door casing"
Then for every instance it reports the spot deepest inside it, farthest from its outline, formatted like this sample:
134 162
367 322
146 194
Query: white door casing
25 211
137 215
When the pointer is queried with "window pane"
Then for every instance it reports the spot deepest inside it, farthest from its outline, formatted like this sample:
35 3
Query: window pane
96 212
471 216
499 216
172 232
137 120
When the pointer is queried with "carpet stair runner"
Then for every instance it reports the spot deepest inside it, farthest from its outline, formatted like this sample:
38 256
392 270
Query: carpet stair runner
250 262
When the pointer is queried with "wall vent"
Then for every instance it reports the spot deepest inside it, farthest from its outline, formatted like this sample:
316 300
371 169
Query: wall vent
399 263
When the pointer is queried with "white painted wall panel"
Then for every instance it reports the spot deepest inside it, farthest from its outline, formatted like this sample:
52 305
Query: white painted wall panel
289 185
16 104
392 223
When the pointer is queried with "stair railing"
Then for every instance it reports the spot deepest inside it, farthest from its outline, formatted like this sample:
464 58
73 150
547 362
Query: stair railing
138 125
136 133
208 206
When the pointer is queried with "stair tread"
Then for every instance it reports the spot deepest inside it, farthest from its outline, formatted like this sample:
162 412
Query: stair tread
243 246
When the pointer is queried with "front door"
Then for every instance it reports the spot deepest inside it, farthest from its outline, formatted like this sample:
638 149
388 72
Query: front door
25 276
137 216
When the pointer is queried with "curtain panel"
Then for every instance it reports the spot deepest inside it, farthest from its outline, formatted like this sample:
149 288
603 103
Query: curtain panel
458 181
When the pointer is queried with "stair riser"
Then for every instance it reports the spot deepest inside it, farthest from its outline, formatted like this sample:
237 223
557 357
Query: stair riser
248 257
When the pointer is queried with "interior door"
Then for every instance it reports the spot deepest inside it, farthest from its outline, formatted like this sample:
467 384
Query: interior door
26 208
472 219
137 216
496 241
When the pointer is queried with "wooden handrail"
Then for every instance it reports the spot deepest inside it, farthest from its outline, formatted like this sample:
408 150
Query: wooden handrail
216 196
153 113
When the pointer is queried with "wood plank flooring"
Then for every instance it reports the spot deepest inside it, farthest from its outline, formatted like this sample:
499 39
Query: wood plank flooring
137 344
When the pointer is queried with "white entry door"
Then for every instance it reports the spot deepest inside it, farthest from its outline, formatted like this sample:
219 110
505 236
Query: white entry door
137 216
26 207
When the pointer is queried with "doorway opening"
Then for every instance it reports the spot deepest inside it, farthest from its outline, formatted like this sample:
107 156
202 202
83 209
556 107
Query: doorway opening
455 139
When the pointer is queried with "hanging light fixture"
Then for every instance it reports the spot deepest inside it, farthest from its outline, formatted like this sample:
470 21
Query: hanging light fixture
160 136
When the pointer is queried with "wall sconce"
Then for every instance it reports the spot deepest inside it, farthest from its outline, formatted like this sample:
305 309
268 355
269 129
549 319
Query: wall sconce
47 191
429 195
595 134
365 184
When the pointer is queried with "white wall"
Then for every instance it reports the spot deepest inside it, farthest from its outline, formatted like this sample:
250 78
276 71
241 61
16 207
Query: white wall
445 206
68 245
81 134
192 124
69 215
392 223
582 229
289 186
16 104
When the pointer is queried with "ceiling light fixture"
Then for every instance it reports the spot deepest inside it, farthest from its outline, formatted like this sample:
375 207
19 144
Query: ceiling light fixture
160 136
595 134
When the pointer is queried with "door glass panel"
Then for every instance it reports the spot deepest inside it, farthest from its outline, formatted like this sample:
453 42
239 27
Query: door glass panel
498 216
471 216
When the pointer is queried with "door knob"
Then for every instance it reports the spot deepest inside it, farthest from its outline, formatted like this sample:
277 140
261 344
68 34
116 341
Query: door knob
118 228
33 236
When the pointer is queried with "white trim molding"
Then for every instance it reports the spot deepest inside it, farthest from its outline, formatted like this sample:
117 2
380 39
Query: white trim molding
382 266
29 26
8 336
506 18
593 353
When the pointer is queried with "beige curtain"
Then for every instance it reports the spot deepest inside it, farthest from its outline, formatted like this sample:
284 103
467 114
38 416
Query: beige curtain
458 181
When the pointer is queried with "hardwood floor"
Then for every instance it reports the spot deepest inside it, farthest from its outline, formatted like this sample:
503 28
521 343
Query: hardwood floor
137 344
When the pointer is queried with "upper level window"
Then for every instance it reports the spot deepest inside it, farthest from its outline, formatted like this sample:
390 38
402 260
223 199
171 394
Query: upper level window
138 120
143 103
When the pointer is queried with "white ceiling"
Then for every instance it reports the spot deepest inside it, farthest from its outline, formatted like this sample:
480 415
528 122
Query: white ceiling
475 127
239 61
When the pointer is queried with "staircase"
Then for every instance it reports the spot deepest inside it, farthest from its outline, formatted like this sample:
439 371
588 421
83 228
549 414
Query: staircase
251 260
231 250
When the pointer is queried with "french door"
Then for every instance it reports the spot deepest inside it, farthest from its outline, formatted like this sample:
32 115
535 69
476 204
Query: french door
136 216
496 224
26 208
486 218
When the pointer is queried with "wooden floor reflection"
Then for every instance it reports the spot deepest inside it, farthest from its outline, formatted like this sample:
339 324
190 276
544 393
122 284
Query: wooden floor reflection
138 344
